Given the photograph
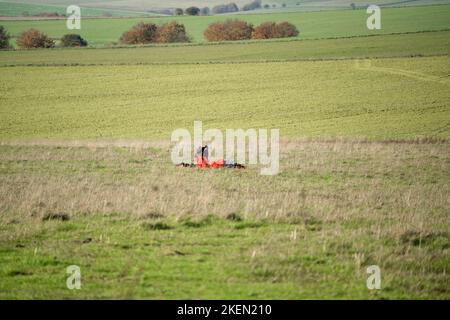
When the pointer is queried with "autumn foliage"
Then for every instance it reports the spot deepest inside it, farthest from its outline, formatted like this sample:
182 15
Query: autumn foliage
171 32
229 30
285 30
143 33
241 30
268 30
140 34
265 30
33 38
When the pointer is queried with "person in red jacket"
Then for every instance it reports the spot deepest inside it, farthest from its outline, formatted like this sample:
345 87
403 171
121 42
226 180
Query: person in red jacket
202 160
201 157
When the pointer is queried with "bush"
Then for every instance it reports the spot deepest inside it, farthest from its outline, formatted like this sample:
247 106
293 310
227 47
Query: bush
268 30
73 40
178 12
265 30
140 34
192 11
228 30
4 38
225 8
33 38
256 4
285 29
171 32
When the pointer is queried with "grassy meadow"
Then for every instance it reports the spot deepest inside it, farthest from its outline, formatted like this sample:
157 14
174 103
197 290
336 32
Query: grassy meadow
137 5
133 224
86 177
312 25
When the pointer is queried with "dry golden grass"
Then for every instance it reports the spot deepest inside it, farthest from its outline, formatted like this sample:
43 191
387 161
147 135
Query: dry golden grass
400 185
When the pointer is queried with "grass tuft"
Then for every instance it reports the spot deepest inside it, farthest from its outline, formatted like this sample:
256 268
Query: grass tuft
157 226
56 216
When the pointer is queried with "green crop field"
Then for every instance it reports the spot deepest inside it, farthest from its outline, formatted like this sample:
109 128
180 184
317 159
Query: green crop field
138 5
311 25
144 5
86 176
144 101
10 9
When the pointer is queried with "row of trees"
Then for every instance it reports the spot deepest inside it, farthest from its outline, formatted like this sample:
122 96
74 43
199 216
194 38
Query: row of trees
221 8
193 11
33 38
226 8
220 31
169 32
256 4
139 34
241 30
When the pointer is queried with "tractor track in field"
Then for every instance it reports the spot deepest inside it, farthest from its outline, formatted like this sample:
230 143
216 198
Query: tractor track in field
366 65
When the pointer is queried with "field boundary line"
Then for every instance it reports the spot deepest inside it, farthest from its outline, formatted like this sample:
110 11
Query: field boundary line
262 61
